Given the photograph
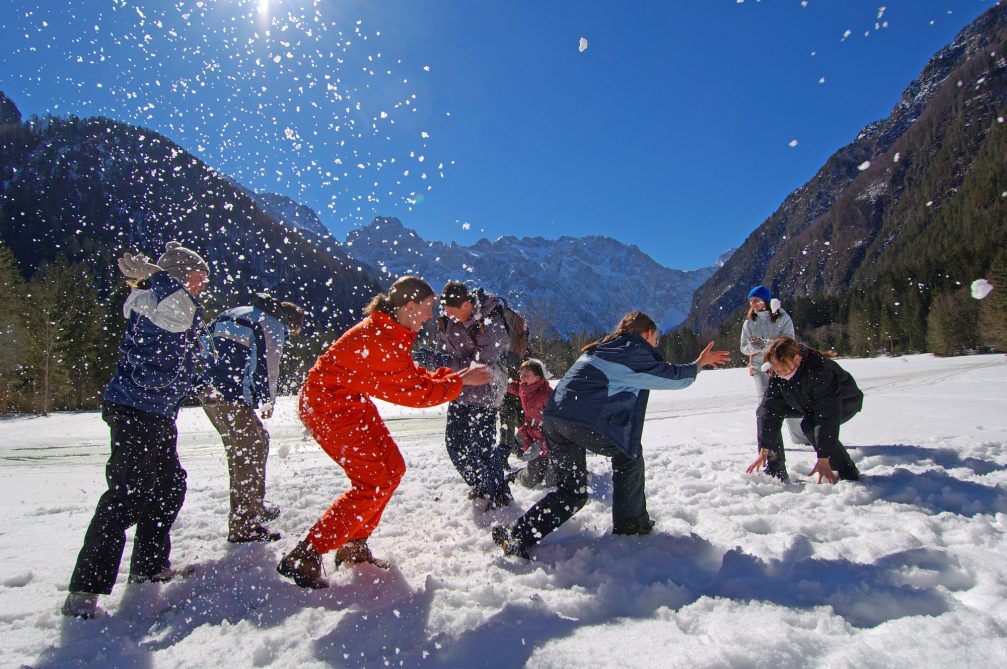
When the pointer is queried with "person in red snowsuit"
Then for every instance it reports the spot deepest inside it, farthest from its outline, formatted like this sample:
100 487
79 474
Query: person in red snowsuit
372 359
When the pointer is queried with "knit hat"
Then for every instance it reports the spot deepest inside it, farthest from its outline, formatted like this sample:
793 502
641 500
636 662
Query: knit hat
178 261
760 292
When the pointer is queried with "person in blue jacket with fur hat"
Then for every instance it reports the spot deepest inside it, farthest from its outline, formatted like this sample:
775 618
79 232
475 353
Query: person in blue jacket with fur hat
600 405
146 482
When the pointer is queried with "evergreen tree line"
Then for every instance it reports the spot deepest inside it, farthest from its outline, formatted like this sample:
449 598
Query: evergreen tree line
61 337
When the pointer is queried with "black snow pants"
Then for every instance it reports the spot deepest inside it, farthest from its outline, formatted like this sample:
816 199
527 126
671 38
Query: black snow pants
146 488
568 446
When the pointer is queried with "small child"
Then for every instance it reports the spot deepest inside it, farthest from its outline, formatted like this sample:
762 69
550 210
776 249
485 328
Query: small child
534 391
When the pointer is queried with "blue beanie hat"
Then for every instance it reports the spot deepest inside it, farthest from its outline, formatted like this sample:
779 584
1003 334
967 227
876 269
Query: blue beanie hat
760 292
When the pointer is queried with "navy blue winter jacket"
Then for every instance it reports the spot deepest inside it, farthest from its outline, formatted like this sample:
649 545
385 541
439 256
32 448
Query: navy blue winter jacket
157 369
608 387
246 344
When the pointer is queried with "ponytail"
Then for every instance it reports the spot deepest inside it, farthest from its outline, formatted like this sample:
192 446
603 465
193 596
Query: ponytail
635 322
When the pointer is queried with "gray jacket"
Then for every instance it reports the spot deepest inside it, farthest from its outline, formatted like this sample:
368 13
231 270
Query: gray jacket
763 331
483 339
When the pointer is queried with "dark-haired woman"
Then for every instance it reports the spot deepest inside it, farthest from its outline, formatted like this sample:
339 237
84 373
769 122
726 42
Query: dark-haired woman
765 321
372 359
599 406
809 385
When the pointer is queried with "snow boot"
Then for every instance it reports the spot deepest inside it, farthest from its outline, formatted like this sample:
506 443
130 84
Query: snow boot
504 538
304 566
82 605
641 525
776 466
842 465
269 513
258 533
499 501
162 576
356 551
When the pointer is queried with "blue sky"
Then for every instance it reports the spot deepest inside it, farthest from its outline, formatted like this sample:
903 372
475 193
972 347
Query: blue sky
469 118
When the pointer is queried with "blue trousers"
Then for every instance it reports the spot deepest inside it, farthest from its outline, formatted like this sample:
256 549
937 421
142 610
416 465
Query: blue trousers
470 437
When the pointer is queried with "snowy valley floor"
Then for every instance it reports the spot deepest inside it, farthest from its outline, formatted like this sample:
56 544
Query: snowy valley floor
906 569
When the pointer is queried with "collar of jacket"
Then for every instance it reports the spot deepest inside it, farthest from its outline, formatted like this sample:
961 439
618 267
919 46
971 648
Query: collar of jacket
396 329
530 388
624 340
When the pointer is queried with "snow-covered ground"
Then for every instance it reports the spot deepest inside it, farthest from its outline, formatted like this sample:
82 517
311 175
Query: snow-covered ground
906 569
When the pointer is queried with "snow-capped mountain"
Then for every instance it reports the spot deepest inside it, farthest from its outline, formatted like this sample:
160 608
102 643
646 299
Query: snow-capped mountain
564 286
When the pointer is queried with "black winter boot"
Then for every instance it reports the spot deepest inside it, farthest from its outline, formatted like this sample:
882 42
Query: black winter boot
503 538
304 566
842 465
639 525
776 466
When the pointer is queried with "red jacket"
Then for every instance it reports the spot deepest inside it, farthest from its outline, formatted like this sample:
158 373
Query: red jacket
534 397
373 358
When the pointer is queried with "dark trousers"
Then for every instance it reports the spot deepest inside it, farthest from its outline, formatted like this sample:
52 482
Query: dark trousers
472 447
146 488
568 446
839 457
511 417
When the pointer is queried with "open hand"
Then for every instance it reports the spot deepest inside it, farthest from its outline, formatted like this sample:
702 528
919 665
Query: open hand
824 469
760 462
711 358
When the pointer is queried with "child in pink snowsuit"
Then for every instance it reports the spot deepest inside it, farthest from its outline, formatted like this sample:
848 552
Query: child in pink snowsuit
534 391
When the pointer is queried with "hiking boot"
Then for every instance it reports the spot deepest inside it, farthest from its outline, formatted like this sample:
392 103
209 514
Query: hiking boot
477 494
776 466
269 512
641 525
356 551
258 533
503 538
82 605
501 501
304 566
162 576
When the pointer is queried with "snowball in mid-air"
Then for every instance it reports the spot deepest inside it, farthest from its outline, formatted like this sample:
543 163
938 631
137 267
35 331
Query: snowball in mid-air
466 226
792 143
864 165
981 288
582 45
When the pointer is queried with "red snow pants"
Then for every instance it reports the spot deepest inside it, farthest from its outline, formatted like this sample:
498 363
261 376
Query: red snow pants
357 439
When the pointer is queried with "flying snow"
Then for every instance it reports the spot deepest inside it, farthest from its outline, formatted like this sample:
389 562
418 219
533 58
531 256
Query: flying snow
582 45
981 288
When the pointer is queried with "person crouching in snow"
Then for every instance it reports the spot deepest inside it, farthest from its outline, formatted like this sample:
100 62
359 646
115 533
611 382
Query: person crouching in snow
806 384
146 482
534 391
372 359
246 344
765 321
600 406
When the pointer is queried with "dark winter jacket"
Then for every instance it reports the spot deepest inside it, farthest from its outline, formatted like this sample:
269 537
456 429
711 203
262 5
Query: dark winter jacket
245 347
608 387
820 390
482 339
157 369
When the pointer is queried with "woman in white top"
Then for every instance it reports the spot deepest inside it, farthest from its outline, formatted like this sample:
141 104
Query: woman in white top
766 321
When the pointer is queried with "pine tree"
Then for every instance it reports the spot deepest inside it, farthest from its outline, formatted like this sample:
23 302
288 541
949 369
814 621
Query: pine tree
993 309
12 332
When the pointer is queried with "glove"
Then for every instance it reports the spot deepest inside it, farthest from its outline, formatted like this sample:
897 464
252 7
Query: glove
758 342
136 268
